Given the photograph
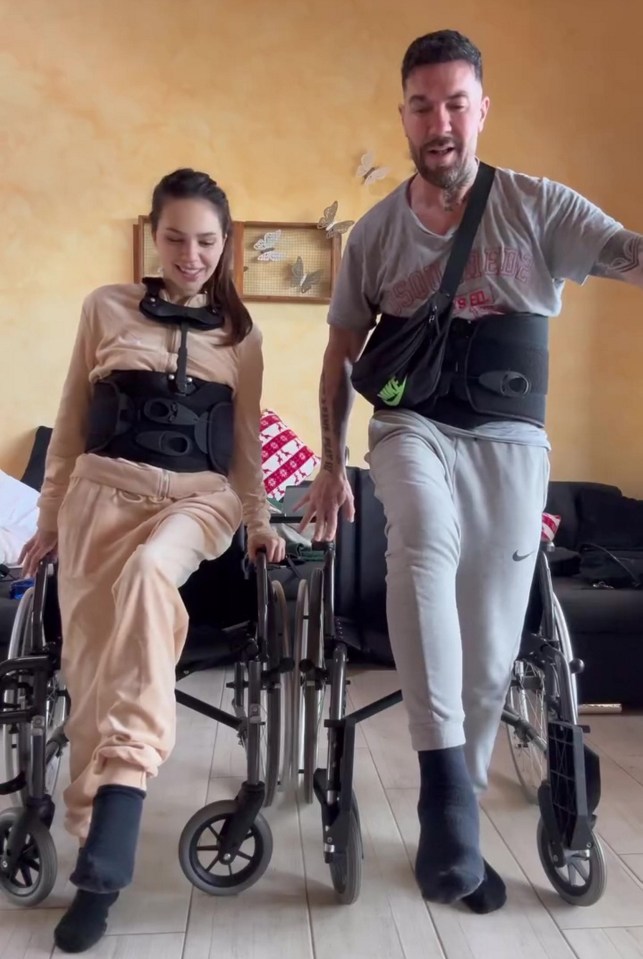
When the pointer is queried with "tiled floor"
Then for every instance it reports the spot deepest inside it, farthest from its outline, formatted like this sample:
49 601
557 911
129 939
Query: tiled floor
291 912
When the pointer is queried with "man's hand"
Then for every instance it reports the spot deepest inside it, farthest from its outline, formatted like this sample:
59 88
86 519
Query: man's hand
328 493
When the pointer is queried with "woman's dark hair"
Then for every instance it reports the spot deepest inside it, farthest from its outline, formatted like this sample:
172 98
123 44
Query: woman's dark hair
442 46
186 184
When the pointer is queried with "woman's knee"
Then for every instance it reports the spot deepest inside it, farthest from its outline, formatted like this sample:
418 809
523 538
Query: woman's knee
146 563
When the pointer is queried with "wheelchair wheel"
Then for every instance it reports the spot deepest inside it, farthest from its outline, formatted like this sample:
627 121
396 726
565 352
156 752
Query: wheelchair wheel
273 698
314 689
562 637
346 873
200 858
287 684
35 873
300 646
582 878
16 739
526 698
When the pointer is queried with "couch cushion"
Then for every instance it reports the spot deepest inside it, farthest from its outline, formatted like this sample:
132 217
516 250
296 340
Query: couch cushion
563 562
615 522
591 610
562 499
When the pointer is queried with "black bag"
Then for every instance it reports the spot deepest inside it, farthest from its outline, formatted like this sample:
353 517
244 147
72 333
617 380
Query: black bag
619 569
402 360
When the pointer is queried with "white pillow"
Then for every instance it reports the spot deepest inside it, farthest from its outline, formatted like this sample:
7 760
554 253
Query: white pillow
18 516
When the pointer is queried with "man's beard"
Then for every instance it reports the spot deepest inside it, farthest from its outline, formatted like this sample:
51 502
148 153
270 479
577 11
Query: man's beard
446 178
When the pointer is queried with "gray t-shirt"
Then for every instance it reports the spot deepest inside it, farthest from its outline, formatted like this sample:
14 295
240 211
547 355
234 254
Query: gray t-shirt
534 234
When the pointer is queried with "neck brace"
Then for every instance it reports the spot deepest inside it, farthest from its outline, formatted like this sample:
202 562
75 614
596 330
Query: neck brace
154 307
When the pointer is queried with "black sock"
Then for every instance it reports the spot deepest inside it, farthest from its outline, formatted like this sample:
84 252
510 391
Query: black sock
448 865
490 895
85 922
106 861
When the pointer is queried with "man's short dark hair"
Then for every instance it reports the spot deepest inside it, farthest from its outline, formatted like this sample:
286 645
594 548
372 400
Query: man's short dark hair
443 46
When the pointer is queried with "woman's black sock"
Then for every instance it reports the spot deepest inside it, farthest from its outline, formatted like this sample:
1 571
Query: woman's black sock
85 922
106 861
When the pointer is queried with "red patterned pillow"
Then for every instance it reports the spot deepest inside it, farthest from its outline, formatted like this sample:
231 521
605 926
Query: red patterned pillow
286 461
551 522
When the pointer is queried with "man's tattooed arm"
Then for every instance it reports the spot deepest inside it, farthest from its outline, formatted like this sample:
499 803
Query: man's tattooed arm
621 259
336 394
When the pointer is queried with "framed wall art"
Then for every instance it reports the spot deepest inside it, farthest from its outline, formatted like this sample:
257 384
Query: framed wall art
272 262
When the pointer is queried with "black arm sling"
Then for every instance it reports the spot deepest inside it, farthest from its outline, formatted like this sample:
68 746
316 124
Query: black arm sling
402 361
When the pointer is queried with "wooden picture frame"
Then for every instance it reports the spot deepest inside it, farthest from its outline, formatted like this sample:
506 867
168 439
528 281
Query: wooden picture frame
264 281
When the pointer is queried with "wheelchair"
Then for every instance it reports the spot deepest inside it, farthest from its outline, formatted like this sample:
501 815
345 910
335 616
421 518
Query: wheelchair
555 768
226 846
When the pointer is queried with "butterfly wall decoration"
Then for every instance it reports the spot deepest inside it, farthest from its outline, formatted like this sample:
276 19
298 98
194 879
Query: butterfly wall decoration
303 280
266 245
369 171
329 223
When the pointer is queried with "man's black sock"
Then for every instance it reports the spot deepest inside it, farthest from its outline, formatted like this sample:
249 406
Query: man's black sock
448 865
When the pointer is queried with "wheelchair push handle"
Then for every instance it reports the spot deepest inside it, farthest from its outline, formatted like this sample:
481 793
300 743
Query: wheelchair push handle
317 545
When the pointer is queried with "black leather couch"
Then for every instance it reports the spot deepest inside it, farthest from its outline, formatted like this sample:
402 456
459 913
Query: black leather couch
606 625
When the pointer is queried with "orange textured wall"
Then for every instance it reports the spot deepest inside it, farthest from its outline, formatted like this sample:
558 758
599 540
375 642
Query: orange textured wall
278 101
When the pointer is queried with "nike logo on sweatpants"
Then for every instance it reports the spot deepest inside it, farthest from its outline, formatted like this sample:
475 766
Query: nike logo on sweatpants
517 558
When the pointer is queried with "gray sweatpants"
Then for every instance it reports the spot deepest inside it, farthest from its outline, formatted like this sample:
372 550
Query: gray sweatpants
463 522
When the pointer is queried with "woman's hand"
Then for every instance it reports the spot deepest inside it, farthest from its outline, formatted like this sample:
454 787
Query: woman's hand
274 546
41 545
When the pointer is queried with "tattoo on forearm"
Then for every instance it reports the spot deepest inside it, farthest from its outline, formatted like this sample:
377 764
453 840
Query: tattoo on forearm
326 426
334 406
341 403
621 258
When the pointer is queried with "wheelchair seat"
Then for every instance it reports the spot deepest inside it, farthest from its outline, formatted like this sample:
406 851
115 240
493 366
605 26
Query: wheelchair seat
218 596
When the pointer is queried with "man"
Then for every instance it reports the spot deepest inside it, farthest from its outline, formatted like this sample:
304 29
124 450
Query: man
463 493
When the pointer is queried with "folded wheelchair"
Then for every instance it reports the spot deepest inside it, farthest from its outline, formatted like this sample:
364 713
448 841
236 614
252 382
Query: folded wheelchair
339 613
227 845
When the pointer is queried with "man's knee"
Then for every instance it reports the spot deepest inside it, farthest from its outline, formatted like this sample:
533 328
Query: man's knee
416 531
488 687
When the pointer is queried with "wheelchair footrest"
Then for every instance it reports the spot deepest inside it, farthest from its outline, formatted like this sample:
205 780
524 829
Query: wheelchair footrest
13 785
335 819
571 793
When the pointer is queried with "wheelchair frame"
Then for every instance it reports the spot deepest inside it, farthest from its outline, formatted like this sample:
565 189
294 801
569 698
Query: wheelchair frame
25 839
567 796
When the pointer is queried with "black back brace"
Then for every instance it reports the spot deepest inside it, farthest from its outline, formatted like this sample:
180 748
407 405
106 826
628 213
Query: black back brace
173 421
494 368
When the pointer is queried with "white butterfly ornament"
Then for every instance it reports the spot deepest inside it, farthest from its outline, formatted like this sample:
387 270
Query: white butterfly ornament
267 245
329 222
305 281
368 170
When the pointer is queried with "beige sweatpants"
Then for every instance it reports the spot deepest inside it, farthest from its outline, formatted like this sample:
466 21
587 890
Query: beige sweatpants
129 536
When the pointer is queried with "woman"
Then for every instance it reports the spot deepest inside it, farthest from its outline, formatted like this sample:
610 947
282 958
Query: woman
154 463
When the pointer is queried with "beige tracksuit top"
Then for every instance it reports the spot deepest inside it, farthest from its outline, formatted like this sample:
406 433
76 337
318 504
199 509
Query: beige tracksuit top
114 335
